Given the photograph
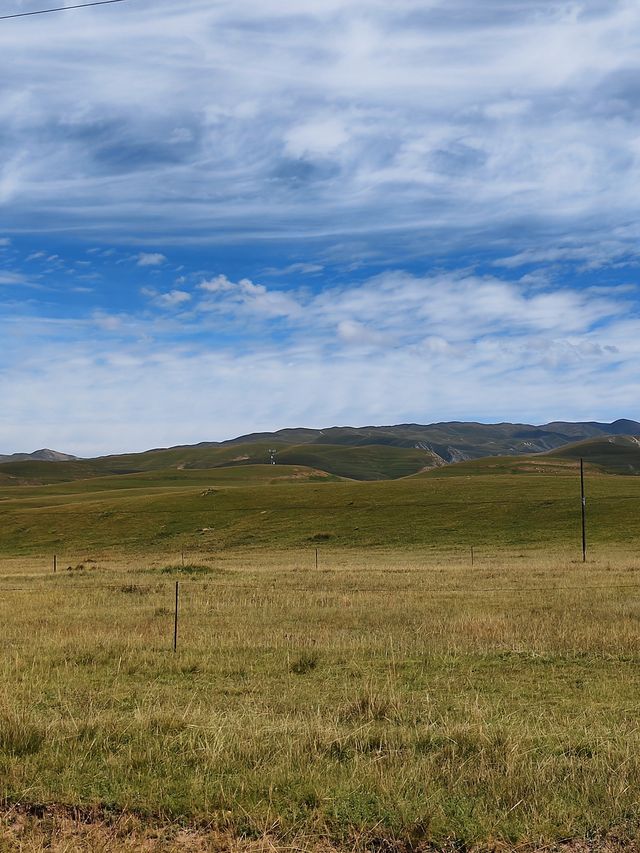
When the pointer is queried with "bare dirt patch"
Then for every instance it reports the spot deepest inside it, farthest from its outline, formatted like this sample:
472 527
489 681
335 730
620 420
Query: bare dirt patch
68 829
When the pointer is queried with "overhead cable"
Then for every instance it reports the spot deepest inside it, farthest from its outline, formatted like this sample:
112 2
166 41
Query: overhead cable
59 9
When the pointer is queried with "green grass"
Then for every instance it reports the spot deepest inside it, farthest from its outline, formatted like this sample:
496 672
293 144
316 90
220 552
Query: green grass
388 698
219 510
368 462
619 454
393 695
360 463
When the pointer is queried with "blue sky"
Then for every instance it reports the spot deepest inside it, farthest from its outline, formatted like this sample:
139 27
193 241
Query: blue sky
219 217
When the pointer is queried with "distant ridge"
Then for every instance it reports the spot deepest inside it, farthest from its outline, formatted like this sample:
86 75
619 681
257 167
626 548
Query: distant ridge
38 456
451 441
357 453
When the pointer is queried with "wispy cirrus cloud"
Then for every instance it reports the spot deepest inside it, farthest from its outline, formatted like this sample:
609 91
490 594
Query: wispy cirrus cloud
403 211
12 278
276 120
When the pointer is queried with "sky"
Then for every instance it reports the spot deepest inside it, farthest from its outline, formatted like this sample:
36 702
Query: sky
220 217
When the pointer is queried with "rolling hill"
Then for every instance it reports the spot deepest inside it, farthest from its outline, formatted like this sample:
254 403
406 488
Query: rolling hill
615 454
376 462
360 453
38 456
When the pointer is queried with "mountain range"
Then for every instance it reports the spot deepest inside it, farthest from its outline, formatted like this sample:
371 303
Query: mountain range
360 453
453 441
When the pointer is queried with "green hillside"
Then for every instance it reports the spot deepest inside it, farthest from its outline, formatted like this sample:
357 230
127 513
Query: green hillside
290 507
538 463
367 462
619 454
611 455
360 463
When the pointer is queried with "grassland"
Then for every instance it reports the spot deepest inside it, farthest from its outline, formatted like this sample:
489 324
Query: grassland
392 698
375 462
447 510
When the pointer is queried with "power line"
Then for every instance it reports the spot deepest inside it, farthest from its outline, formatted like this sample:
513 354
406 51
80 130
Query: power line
59 9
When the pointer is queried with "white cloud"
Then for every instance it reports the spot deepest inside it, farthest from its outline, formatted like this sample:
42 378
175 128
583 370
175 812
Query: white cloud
15 278
352 332
250 390
107 322
169 299
394 348
316 138
181 135
247 298
173 298
300 268
150 259
507 109
221 284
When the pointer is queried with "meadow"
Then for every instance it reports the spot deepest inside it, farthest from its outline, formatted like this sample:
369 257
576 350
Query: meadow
393 697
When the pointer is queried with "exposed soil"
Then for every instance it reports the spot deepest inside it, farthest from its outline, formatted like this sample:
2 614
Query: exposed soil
67 829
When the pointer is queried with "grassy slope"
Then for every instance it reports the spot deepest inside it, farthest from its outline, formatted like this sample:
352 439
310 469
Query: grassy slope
392 696
367 462
611 455
178 459
541 463
616 454
361 463
443 512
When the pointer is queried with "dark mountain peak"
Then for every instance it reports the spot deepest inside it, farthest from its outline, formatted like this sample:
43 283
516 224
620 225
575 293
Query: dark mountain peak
625 427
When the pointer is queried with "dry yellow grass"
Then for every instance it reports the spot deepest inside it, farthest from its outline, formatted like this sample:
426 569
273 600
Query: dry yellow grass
387 698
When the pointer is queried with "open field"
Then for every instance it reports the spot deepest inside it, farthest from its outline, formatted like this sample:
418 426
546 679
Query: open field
392 698
485 504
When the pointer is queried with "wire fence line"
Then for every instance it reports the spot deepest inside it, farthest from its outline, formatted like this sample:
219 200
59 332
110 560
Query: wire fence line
200 585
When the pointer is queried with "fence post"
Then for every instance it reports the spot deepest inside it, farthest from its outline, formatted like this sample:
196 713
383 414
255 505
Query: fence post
175 621
55 563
